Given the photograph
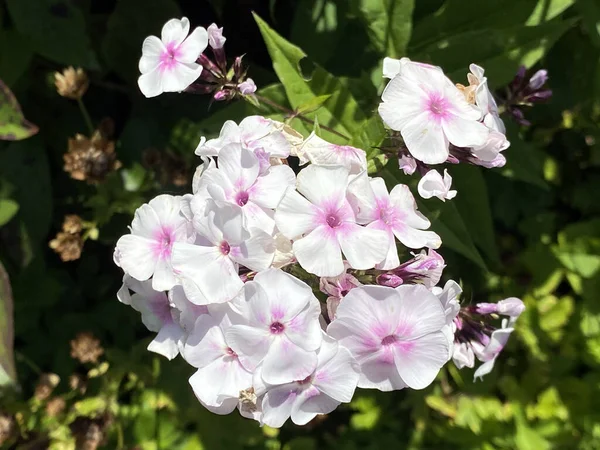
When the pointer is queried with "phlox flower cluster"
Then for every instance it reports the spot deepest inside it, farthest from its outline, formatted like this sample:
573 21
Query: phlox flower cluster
285 289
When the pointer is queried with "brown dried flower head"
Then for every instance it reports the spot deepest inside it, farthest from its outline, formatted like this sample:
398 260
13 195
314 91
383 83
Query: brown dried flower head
85 348
7 428
55 406
71 83
91 159
45 386
67 245
78 382
72 224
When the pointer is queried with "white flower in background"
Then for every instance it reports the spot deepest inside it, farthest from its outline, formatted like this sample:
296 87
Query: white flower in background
157 315
216 40
169 64
490 352
430 113
395 335
485 100
490 151
332 382
255 133
146 252
449 299
208 268
282 330
323 225
237 180
183 311
319 151
395 213
433 185
220 376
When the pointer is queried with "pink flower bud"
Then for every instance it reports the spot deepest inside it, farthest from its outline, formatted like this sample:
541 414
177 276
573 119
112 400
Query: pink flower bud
389 280
220 96
511 306
215 36
247 87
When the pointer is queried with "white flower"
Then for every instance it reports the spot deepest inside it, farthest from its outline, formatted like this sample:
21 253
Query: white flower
208 268
449 299
282 329
146 252
319 151
215 36
183 311
433 185
220 376
238 180
254 133
485 100
491 149
498 340
430 112
333 382
169 64
463 356
323 225
156 315
395 213
247 87
395 335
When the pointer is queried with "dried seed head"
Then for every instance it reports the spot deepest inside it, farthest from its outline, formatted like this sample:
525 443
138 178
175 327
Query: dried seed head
85 348
7 428
45 386
71 83
67 245
55 406
72 224
78 382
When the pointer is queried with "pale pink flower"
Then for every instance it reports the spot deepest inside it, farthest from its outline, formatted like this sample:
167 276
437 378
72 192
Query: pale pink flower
215 36
323 225
332 382
490 352
220 376
169 64
254 133
485 100
208 268
395 213
490 151
319 151
395 335
433 185
247 87
147 251
449 299
157 315
281 331
237 180
430 113
337 288
183 311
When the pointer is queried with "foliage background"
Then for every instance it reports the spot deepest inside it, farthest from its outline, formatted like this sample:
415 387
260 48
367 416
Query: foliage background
530 229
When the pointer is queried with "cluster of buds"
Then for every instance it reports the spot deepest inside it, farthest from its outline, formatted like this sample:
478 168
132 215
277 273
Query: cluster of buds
71 83
524 91
176 62
68 243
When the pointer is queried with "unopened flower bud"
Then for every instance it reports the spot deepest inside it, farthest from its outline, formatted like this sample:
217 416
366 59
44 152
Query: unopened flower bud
540 96
215 36
511 306
389 280
538 79
486 308
220 96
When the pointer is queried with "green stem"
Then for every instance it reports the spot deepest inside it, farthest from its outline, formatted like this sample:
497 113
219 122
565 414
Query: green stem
296 114
86 116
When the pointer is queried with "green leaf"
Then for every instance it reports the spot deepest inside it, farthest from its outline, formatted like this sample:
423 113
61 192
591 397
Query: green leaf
8 209
15 56
313 104
340 111
473 204
57 30
524 162
499 51
369 136
389 23
129 24
578 248
7 362
13 126
590 14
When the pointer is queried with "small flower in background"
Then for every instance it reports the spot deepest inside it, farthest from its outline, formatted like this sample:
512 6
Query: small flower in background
68 243
45 386
92 159
85 348
7 428
55 406
523 91
71 83
78 382
433 185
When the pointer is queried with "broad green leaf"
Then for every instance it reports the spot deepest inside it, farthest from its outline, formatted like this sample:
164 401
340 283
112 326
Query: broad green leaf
590 15
499 51
129 24
457 16
57 30
8 209
340 111
524 162
473 204
13 125
7 363
389 23
313 104
369 136
578 248
15 56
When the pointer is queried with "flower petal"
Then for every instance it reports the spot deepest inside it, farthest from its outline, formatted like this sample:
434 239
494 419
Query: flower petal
193 46
425 139
269 189
175 31
205 343
363 247
319 253
295 215
323 184
137 256
286 362
250 343
419 361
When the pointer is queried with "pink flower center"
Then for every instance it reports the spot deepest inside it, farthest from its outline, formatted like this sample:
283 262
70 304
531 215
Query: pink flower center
389 340
277 328
438 106
164 240
229 351
225 248
168 58
307 380
333 220
241 198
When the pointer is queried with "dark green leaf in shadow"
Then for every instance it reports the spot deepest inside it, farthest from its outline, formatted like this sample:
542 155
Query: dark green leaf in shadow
13 125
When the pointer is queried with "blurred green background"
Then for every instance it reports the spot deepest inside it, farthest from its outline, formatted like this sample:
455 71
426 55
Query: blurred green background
530 229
